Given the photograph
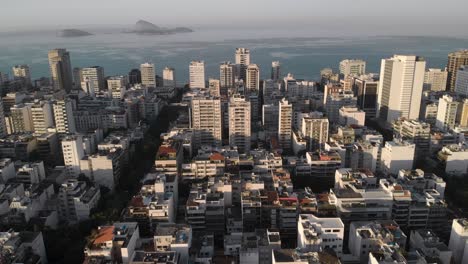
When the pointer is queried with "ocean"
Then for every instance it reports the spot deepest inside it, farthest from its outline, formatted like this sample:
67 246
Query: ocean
300 53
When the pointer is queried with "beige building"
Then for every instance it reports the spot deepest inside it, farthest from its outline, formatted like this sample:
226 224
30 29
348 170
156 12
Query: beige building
253 78
354 67
169 77
63 116
447 112
148 74
239 123
227 73
96 75
22 72
435 80
242 61
455 61
42 116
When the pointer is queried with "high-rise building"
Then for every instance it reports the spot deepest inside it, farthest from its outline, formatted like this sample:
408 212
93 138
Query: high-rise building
315 130
148 74
400 87
214 87
275 70
463 114
252 82
72 148
435 80
227 72
239 123
242 61
134 76
87 85
206 121
351 115
60 69
458 240
197 74
455 61
447 112
461 83
22 72
117 86
3 129
417 132
77 78
20 119
354 67
96 75
366 87
285 124
63 116
42 116
169 77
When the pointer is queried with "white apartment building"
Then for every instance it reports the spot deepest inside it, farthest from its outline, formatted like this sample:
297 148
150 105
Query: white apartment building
447 112
96 75
459 241
455 158
227 74
63 116
174 237
148 74
242 56
72 148
87 86
169 77
197 74
206 121
355 67
351 115
315 131
117 86
76 200
396 156
285 124
435 80
239 124
42 116
20 119
316 233
400 87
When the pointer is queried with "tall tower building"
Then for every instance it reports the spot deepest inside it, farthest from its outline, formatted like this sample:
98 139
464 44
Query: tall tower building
42 116
206 121
400 87
285 124
366 87
463 114
94 74
239 123
435 80
227 72
275 70
3 130
72 148
169 77
461 84
134 76
355 67
63 116
23 73
455 61
77 78
148 74
117 85
242 61
253 78
197 74
60 69
447 112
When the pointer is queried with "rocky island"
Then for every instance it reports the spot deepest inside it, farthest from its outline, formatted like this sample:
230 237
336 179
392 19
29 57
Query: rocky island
147 28
71 33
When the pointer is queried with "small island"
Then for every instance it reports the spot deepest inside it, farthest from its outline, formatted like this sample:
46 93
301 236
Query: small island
146 28
72 33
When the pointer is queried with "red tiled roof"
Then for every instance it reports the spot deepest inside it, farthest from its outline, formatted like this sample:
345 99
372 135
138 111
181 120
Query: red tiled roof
216 156
105 234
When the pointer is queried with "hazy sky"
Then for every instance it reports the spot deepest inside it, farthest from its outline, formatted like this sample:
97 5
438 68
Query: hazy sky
391 13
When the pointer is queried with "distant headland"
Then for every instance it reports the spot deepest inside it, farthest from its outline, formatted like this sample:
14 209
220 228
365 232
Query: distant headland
147 28
71 33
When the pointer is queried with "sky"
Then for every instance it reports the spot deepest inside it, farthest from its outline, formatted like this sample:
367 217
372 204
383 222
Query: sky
385 15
